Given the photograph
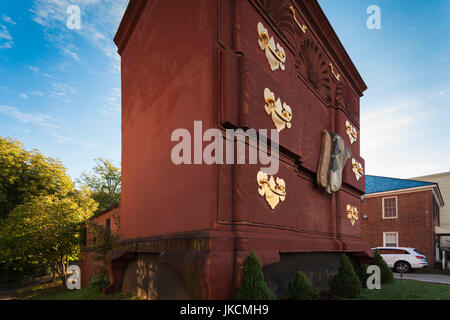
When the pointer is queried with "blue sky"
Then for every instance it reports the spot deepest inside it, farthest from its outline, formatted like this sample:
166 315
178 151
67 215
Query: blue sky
60 88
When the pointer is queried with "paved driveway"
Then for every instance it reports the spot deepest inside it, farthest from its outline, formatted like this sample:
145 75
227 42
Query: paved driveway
424 277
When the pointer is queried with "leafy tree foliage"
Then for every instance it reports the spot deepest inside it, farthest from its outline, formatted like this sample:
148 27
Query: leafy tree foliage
253 285
104 183
301 289
46 229
346 283
27 174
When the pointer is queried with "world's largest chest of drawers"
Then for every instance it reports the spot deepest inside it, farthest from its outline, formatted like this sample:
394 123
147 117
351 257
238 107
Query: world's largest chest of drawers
233 64
288 49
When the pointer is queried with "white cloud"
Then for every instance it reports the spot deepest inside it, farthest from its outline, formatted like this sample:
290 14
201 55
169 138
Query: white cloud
38 119
99 21
112 102
64 139
24 96
62 89
397 139
6 40
8 20
37 93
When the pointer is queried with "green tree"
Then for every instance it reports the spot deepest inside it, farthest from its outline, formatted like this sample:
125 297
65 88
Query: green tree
27 174
301 289
386 272
105 184
346 283
253 286
46 230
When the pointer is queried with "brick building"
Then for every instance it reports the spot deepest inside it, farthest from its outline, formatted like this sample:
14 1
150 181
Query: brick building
402 213
88 265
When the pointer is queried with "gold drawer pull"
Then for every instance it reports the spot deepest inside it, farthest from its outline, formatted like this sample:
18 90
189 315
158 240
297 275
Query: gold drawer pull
301 27
275 54
337 76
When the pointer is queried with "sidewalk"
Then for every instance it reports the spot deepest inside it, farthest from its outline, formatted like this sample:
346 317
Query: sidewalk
424 277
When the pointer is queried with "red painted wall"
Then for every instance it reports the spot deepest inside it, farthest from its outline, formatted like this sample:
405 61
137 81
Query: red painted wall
169 69
415 224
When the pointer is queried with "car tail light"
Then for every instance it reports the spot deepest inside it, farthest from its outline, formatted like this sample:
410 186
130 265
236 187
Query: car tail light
420 257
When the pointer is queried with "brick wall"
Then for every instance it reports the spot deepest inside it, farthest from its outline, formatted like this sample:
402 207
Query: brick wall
414 223
88 265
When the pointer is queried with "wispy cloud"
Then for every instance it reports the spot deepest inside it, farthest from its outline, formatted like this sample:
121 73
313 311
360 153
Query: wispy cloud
62 89
99 21
24 96
396 139
64 139
112 102
8 20
6 40
39 119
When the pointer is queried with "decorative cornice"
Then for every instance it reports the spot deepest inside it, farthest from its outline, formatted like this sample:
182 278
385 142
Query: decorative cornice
322 27
129 21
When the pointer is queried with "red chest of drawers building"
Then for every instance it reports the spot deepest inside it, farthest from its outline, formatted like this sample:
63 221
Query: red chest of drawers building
186 229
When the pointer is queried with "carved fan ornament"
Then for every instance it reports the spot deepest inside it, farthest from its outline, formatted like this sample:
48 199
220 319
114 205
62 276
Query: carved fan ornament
346 99
314 68
279 11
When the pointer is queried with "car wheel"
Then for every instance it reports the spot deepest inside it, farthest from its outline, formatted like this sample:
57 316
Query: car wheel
402 267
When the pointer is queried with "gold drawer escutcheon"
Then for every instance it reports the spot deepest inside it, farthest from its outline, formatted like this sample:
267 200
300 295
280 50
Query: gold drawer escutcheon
281 113
273 190
275 54
357 169
352 214
351 132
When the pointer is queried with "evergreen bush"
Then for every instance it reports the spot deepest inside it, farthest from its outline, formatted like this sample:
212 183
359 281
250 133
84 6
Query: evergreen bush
301 289
361 272
386 272
345 283
253 286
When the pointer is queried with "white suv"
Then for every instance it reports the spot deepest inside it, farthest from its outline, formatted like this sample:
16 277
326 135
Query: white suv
403 259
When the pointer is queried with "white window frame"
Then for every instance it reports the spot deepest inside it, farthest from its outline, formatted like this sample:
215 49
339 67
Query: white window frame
396 238
396 207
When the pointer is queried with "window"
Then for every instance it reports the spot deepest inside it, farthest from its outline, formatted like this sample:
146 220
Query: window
390 239
84 236
390 208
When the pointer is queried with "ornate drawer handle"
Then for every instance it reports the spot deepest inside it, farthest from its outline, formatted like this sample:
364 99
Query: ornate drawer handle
352 214
273 190
337 76
274 53
301 27
281 113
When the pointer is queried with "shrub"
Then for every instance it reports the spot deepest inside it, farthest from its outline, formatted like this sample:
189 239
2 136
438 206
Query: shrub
301 289
386 272
361 272
345 283
99 280
253 286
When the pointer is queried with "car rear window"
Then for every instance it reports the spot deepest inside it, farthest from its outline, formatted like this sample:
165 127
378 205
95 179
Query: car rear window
417 251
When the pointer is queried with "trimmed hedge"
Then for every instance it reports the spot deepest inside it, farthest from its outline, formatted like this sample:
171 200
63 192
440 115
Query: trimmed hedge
301 289
253 286
386 272
345 283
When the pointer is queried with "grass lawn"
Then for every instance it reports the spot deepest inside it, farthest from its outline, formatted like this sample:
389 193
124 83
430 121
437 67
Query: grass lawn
55 291
408 290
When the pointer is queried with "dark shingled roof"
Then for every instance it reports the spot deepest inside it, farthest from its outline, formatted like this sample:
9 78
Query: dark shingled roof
380 184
